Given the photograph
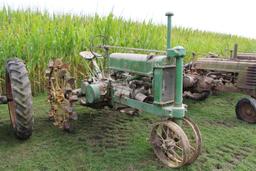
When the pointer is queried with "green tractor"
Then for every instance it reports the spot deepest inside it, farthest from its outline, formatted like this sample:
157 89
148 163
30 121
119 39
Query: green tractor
213 73
132 82
19 98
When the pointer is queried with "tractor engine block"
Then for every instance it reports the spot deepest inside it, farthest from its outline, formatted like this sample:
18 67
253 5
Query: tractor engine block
134 87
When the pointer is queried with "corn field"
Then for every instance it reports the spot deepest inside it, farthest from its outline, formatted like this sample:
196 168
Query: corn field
38 37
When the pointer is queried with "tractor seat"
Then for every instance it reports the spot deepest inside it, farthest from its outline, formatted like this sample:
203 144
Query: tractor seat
88 55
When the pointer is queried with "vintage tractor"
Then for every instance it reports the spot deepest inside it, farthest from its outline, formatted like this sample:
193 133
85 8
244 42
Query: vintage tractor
150 82
215 74
19 98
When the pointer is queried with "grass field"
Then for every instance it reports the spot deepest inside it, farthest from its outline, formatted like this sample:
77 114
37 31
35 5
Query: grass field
105 139
109 140
38 37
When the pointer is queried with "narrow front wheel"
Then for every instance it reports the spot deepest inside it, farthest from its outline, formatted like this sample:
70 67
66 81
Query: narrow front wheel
170 144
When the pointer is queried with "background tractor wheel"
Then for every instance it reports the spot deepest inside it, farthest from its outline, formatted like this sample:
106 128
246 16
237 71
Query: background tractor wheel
18 90
246 110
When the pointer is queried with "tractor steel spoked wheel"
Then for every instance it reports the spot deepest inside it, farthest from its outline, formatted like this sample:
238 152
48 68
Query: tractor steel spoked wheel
18 92
60 96
170 144
195 139
97 44
246 110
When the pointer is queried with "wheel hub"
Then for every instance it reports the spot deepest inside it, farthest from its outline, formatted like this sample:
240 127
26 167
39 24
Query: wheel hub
168 144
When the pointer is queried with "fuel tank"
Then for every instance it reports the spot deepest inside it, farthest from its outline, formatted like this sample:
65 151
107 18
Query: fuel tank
142 64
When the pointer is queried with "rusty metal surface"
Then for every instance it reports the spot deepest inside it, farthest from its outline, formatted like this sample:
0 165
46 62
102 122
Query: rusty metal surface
235 75
220 64
60 95
170 144
195 138
246 56
246 110
251 76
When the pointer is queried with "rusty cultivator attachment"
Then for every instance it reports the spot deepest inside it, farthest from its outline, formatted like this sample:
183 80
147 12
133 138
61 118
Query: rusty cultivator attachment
214 74
60 94
150 82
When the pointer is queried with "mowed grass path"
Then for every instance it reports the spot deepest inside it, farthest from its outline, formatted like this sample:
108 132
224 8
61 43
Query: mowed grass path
109 140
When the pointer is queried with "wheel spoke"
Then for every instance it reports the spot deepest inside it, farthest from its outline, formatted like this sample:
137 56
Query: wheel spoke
163 129
172 157
175 145
192 148
180 158
178 147
160 135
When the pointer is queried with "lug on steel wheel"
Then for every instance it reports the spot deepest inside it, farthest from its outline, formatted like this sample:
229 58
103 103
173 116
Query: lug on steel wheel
170 144
246 110
60 95
194 136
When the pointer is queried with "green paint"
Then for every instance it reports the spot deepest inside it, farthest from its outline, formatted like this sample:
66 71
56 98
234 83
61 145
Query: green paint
169 29
137 63
164 84
179 81
83 87
175 52
92 92
178 52
168 111
167 81
157 85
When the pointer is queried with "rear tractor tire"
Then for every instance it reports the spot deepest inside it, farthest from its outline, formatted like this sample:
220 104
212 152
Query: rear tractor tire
18 92
246 110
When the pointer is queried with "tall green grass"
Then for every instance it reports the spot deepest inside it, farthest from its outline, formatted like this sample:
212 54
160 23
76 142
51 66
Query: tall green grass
38 37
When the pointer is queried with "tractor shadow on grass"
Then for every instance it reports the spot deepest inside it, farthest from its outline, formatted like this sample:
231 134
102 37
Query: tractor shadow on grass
7 136
105 129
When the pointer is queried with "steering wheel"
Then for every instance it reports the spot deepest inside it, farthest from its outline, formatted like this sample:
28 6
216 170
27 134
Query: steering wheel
98 44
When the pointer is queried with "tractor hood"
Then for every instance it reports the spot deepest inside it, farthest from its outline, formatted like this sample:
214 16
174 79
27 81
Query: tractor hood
138 63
